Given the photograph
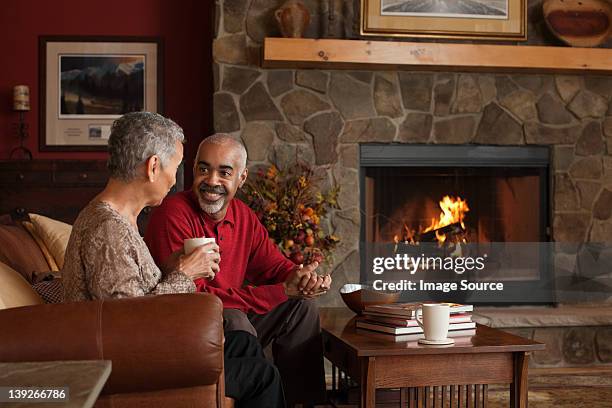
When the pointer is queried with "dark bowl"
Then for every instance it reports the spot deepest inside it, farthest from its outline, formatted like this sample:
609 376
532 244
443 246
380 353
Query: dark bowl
357 297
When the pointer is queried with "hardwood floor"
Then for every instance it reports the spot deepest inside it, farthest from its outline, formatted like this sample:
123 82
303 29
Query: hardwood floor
552 388
565 388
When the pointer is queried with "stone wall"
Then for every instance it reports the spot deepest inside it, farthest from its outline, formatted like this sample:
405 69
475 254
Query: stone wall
322 116
569 346
575 335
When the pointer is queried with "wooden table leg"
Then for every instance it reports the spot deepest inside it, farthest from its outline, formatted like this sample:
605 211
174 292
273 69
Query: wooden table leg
519 386
403 397
368 386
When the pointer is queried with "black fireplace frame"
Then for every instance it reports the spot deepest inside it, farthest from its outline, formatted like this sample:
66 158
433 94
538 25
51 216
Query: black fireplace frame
422 155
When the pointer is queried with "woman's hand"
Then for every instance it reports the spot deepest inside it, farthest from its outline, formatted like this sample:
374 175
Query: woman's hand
203 262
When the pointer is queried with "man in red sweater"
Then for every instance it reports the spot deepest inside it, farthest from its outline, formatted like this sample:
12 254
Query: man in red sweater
263 293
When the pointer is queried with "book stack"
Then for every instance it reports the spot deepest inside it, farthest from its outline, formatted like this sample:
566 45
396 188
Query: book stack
399 319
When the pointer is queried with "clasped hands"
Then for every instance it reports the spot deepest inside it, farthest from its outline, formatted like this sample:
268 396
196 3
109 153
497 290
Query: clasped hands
304 282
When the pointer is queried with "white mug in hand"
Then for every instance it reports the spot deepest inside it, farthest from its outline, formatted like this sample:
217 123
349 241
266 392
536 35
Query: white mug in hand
192 243
436 318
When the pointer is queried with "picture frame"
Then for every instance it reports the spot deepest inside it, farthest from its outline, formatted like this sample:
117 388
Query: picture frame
85 83
470 19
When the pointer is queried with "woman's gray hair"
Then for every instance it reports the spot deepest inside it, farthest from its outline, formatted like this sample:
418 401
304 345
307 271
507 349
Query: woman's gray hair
137 136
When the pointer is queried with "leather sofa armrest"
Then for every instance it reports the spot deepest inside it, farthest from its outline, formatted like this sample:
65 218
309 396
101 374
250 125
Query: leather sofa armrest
154 342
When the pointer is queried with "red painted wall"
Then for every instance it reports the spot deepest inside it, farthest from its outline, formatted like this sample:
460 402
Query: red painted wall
184 25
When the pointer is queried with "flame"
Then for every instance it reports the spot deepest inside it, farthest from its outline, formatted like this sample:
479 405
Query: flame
408 236
440 237
453 211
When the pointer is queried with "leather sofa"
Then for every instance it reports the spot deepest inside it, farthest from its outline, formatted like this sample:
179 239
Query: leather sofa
166 351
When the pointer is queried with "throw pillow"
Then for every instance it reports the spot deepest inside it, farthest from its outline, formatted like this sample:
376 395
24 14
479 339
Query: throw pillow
55 235
15 291
43 248
19 251
51 291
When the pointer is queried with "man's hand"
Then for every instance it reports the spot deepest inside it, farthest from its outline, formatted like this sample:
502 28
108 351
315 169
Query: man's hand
203 262
315 286
298 279
322 286
304 282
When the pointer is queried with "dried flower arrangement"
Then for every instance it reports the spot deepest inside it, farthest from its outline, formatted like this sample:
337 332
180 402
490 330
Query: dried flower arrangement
290 205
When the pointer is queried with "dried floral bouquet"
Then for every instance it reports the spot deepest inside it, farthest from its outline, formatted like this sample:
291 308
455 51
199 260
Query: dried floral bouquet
291 206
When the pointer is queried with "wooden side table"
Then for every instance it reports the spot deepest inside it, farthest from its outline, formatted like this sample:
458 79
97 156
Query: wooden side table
428 375
84 380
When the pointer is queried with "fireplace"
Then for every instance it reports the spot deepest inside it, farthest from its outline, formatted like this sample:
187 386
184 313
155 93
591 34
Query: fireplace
489 201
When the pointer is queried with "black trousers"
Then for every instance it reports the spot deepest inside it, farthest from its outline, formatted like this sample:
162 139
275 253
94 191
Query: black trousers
294 331
249 378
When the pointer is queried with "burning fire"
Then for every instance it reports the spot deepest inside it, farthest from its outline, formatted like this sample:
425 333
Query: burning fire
452 214
453 211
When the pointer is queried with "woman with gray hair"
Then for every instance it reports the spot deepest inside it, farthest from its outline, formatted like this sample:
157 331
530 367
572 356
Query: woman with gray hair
107 258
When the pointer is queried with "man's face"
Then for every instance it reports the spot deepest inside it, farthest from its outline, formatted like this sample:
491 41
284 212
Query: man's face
217 174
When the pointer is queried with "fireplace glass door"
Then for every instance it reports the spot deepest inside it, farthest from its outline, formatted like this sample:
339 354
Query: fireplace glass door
475 200
470 204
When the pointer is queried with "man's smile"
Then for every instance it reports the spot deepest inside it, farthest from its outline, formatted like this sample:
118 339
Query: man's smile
212 194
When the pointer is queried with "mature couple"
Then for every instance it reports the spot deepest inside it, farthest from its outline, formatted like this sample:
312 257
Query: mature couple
107 258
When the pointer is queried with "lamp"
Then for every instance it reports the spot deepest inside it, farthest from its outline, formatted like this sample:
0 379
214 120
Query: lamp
21 104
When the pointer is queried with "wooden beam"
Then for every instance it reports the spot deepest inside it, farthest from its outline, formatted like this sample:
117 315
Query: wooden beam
396 55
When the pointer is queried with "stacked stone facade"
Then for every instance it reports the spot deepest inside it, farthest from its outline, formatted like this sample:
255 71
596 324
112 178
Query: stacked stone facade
569 346
321 116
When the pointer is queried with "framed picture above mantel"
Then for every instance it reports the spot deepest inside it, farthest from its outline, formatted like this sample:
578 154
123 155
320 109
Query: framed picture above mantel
466 19
88 82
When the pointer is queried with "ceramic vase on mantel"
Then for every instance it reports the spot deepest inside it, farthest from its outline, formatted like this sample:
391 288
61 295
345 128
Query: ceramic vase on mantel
293 18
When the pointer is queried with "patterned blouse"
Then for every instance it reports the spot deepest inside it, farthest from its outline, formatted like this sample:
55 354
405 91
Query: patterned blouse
107 258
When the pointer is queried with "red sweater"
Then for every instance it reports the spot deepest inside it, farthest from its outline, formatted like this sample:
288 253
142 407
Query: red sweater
246 252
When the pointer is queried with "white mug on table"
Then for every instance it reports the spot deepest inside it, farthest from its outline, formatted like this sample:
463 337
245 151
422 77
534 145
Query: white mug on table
190 244
436 319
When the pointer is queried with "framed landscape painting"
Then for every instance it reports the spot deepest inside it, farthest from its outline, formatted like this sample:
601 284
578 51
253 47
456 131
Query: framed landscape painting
468 19
87 83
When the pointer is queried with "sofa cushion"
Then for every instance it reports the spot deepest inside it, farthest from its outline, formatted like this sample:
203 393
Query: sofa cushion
19 251
15 291
55 235
43 248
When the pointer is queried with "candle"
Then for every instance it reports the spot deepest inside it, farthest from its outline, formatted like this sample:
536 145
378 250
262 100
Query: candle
21 98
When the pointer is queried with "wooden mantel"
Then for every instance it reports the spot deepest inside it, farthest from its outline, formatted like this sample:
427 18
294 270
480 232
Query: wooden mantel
377 55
